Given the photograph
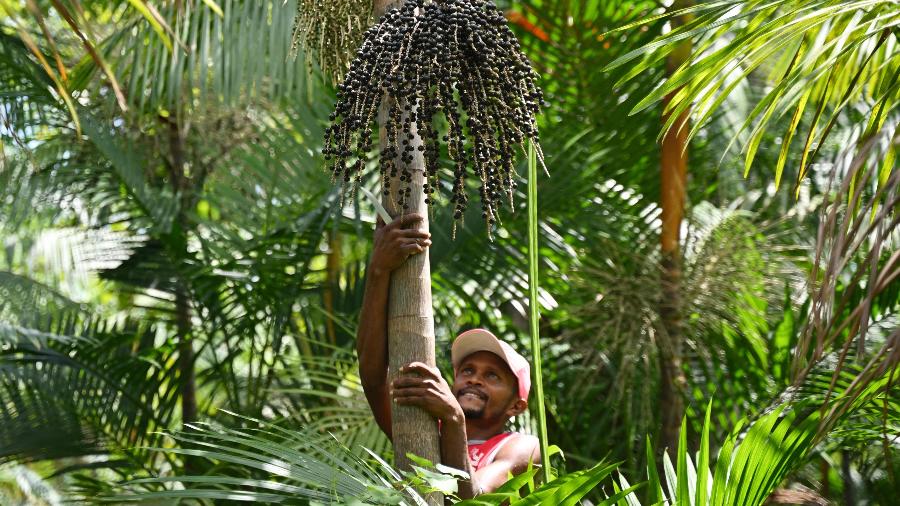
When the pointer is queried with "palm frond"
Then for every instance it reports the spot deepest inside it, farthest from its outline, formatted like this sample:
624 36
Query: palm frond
759 454
266 463
734 274
263 462
820 58
323 393
241 52
857 258
126 161
93 392
80 29
28 100
23 300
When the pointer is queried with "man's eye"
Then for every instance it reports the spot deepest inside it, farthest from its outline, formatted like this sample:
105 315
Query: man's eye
493 376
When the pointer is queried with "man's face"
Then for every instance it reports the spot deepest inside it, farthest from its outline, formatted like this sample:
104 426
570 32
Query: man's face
485 387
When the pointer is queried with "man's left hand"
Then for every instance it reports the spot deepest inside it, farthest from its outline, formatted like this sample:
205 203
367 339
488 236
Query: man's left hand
423 386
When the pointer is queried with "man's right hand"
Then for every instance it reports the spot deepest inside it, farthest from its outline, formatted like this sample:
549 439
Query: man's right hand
396 242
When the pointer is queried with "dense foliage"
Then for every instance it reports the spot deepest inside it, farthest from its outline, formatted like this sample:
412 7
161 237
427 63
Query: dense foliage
457 59
180 280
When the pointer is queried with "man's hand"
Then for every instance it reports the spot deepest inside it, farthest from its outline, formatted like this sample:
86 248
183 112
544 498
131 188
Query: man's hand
396 242
423 386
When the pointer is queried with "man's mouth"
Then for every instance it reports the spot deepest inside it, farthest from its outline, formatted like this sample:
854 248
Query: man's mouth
471 392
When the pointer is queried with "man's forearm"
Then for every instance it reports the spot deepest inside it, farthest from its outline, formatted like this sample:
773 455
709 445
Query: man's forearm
371 343
455 453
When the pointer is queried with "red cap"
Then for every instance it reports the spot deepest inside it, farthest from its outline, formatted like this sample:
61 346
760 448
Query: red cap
474 340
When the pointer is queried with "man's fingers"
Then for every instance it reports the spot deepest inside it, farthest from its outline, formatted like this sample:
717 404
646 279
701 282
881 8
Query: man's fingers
421 242
401 386
408 219
412 401
412 249
404 220
402 393
421 368
411 233
417 365
409 381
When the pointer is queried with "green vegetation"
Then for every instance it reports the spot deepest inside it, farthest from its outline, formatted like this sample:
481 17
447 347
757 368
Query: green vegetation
180 278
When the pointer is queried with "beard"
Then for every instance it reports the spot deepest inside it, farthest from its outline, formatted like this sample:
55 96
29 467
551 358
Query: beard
472 413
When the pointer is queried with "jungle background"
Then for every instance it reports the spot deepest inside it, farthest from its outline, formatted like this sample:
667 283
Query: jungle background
180 279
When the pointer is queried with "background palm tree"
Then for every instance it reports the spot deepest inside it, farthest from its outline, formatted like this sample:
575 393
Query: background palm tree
832 54
210 318
103 235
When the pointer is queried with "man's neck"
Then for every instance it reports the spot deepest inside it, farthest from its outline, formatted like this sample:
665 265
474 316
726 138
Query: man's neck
476 430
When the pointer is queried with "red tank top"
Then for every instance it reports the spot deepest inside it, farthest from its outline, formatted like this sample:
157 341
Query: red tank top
483 453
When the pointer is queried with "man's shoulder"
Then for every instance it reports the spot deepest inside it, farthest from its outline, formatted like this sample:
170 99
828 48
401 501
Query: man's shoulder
520 438
520 448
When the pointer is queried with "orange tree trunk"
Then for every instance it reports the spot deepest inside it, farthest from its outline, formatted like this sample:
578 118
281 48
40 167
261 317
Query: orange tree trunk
332 270
673 182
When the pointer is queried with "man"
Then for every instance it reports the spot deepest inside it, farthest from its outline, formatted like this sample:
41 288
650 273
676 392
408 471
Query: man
490 384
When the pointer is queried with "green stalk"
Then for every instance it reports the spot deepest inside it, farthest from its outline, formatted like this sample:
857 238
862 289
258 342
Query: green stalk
534 314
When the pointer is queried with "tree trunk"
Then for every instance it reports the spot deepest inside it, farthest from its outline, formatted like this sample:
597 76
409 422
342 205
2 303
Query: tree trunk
673 186
332 268
182 303
849 494
185 358
183 326
824 469
410 317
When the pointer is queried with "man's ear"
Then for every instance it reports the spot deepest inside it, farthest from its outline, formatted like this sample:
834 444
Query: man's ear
517 407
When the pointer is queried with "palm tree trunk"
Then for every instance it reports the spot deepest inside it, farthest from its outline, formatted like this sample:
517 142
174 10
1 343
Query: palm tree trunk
849 494
824 468
673 177
672 378
410 316
183 327
182 304
185 358
332 267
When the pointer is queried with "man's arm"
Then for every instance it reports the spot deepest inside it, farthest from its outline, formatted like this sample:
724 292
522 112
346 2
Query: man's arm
392 245
513 458
427 389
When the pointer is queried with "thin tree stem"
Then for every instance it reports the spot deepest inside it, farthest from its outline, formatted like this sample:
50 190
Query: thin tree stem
534 311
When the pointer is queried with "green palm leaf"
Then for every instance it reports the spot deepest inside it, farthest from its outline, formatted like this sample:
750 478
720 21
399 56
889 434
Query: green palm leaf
98 391
820 57
230 53
757 456
267 463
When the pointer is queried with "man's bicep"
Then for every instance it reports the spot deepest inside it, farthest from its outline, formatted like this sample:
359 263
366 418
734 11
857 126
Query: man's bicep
490 477
512 459
380 403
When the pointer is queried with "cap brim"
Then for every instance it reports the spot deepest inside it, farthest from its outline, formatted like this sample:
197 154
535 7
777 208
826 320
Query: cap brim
473 341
